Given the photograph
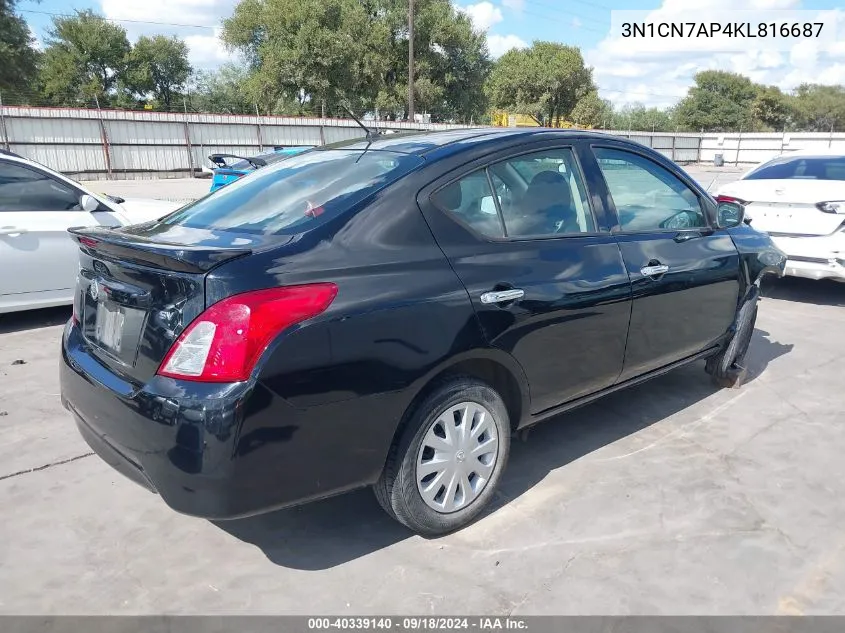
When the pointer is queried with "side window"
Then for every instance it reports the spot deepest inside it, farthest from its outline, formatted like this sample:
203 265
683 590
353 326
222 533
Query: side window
23 189
647 196
542 194
471 200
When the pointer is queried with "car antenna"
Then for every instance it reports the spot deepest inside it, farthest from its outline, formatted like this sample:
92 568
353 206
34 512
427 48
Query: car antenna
711 183
371 134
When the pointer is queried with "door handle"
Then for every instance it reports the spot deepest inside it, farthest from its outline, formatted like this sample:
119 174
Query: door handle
654 271
502 296
11 230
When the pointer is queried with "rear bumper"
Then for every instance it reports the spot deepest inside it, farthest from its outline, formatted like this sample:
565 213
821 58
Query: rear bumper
213 451
820 257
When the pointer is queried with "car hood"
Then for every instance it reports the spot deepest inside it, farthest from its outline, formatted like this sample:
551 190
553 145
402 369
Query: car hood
139 210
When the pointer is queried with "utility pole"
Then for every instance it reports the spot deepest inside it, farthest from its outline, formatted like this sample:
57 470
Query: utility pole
411 60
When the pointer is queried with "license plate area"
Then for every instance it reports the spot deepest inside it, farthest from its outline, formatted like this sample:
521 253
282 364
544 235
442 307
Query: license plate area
113 328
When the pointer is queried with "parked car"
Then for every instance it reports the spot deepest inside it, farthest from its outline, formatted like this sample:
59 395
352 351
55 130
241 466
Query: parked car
37 206
388 312
230 167
799 200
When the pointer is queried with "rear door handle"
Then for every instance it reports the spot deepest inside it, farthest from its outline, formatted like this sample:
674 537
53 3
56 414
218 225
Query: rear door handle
502 296
11 230
654 271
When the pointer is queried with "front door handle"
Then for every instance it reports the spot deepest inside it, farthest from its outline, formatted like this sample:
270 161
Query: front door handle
11 230
502 296
654 271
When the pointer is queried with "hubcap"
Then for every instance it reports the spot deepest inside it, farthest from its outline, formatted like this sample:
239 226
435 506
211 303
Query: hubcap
457 457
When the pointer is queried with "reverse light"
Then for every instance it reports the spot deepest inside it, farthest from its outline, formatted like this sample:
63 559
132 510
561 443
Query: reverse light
834 206
224 343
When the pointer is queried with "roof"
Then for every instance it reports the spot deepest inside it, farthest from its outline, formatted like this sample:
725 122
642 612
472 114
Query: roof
422 143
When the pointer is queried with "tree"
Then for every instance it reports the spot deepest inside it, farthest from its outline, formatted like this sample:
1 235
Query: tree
545 81
159 65
314 55
85 57
18 69
592 111
820 108
771 110
222 90
719 102
639 118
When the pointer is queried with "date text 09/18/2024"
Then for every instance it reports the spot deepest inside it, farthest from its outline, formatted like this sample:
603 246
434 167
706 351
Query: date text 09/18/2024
417 623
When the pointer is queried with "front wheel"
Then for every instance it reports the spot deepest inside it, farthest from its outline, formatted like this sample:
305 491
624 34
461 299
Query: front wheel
727 367
446 465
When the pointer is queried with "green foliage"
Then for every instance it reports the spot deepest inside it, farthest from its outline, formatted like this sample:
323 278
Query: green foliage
820 108
637 117
85 57
771 110
719 102
159 66
592 111
222 90
19 66
545 81
314 55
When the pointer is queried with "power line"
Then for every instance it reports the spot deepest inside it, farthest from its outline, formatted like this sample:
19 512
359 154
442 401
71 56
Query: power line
72 15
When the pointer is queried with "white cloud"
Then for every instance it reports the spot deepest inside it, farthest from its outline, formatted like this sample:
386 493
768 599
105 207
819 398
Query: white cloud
659 72
516 5
501 44
184 18
483 15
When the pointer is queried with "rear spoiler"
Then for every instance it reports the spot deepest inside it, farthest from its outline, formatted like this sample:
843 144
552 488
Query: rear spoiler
220 160
114 244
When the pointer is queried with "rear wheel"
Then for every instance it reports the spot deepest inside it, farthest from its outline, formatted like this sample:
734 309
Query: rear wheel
727 367
446 465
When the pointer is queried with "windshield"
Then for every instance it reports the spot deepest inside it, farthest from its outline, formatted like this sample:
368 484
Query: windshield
801 168
291 194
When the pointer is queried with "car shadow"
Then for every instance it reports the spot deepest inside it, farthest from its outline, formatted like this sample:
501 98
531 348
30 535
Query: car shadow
328 533
33 319
824 292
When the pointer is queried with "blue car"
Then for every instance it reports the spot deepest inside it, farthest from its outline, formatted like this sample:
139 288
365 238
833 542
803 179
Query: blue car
230 167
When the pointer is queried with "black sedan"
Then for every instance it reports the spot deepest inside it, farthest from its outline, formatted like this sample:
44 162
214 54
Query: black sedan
389 312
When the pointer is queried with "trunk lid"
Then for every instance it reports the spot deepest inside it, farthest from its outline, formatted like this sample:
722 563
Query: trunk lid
788 207
139 287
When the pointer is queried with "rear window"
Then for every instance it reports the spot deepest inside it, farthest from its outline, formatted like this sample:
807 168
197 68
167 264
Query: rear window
801 168
292 194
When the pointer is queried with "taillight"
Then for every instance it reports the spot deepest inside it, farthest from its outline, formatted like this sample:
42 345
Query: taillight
834 206
224 343
729 199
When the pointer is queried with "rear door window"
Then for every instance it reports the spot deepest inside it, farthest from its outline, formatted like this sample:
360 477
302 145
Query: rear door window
295 194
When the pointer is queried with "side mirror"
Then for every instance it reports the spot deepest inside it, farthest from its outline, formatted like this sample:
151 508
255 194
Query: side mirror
729 215
88 203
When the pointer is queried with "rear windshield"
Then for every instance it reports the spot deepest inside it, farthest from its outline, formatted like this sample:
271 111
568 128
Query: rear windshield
801 167
292 194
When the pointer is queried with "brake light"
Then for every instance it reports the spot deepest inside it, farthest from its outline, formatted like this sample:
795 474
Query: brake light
224 343
90 242
729 199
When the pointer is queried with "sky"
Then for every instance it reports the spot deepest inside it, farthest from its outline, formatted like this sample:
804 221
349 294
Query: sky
626 72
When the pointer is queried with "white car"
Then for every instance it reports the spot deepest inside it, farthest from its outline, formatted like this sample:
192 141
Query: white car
38 259
799 200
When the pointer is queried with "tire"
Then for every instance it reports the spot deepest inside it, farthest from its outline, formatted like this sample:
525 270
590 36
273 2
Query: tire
399 491
726 368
